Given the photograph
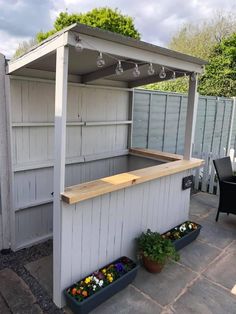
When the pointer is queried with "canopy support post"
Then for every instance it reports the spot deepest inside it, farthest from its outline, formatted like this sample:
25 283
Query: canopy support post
190 118
59 165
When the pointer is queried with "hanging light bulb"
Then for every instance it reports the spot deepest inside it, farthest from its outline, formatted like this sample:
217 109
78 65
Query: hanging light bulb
193 76
151 71
162 73
100 60
173 77
136 71
79 46
119 69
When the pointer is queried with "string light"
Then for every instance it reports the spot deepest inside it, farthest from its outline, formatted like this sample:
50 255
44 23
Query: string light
78 46
162 73
150 71
119 70
193 76
100 60
173 77
136 72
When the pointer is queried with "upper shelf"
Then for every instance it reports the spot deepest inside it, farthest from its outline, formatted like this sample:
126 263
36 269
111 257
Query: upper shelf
174 164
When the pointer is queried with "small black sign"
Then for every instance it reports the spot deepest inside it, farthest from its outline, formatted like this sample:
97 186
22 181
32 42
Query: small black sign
187 182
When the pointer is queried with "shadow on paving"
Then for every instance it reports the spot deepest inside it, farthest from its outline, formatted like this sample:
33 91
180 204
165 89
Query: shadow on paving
201 282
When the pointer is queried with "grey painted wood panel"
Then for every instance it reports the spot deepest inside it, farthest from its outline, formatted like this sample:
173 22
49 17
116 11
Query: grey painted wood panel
32 109
96 231
33 190
34 102
159 120
33 225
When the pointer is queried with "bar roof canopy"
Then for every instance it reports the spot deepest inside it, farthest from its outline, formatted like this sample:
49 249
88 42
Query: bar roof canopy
41 59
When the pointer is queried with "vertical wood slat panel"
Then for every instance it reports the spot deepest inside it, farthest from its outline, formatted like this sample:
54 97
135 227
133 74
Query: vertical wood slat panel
34 102
105 227
212 129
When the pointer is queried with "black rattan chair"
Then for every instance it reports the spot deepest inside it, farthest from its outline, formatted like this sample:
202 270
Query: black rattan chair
227 182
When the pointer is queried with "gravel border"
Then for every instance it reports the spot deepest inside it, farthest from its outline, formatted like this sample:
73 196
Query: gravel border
17 260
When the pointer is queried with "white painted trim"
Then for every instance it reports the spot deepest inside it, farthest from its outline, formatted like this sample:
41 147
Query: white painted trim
51 124
43 124
190 119
128 52
231 126
104 123
131 114
40 52
6 174
32 79
59 165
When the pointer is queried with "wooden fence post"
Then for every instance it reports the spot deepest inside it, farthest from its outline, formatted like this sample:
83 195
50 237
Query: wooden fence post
231 126
5 160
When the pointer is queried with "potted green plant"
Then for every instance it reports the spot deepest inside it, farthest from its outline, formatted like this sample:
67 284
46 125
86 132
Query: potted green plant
155 250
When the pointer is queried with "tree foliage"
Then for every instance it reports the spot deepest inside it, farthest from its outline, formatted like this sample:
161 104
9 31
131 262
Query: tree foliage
200 39
24 47
203 40
104 18
220 75
179 85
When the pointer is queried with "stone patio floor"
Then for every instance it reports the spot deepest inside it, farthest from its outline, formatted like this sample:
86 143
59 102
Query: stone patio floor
203 281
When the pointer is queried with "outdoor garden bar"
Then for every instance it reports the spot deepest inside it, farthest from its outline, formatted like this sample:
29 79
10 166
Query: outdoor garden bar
72 172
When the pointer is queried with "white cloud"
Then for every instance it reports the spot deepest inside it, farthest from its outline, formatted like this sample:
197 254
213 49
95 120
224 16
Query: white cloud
157 21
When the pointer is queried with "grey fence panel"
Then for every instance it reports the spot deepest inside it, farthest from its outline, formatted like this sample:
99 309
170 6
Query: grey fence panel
159 123
157 118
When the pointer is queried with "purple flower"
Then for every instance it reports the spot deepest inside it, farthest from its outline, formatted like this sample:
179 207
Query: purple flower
99 275
119 267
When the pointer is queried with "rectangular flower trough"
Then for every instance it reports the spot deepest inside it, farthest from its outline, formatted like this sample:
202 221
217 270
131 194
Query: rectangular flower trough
183 234
110 283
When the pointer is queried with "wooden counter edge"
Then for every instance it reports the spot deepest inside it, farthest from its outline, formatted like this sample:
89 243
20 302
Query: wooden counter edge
84 191
156 154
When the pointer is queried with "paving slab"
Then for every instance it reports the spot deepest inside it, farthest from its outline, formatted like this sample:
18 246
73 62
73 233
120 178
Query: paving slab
223 271
165 286
202 204
226 221
205 298
17 294
128 301
198 255
216 234
42 270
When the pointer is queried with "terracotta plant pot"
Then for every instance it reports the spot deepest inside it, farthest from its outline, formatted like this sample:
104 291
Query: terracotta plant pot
152 266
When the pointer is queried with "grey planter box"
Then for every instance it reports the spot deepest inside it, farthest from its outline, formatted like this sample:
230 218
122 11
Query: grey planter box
99 297
187 238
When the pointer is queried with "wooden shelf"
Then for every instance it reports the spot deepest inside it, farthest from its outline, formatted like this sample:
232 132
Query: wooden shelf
102 186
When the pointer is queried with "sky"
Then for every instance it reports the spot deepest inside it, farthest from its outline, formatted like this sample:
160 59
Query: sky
156 20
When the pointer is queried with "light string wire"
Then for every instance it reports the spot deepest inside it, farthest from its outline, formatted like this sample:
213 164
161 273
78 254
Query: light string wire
135 63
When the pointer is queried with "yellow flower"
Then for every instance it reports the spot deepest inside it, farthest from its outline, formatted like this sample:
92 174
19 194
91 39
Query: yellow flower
104 271
110 279
87 280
